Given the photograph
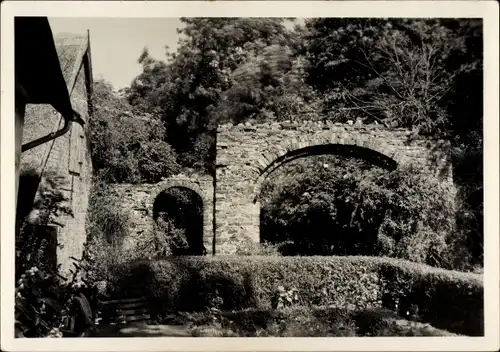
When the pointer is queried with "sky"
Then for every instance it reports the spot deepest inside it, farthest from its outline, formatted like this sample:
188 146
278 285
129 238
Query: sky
116 43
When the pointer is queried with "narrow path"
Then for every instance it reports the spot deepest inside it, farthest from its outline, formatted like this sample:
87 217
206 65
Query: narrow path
141 330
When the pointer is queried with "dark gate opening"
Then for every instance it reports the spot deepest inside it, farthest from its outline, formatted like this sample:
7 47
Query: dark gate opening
178 213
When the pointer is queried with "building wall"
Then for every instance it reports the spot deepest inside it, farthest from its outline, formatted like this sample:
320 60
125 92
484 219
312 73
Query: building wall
68 157
79 170
245 153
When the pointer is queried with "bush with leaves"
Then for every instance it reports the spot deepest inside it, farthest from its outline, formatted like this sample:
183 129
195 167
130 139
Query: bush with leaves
355 283
44 299
174 240
330 209
45 303
127 145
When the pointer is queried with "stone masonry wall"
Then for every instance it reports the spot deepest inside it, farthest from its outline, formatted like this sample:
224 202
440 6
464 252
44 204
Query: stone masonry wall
69 158
138 201
245 154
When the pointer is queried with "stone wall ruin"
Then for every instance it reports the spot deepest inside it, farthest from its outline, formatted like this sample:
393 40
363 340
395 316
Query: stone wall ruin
247 153
138 202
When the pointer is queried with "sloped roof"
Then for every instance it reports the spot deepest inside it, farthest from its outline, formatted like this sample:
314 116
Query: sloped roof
71 49
37 66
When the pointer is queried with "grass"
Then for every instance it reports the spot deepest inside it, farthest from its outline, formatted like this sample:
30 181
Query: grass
301 322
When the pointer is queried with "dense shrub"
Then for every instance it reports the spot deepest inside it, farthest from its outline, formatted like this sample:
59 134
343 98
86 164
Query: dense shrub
340 206
447 299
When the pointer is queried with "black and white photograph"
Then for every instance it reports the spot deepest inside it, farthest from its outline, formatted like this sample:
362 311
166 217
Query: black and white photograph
240 176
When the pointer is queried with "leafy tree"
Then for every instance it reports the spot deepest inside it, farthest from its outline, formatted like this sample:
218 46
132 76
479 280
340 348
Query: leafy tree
188 87
127 145
269 86
394 71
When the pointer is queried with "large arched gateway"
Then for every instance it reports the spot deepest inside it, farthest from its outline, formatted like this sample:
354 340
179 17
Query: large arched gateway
246 154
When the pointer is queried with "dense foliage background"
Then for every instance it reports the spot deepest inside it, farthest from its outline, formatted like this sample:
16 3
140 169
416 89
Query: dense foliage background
424 75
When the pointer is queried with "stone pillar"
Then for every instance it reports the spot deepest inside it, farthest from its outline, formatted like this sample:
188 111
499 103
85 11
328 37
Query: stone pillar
237 216
208 225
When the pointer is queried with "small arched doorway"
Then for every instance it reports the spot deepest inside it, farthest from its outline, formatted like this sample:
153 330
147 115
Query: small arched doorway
178 215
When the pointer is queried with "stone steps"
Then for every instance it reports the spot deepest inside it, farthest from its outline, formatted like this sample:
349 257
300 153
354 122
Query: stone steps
127 310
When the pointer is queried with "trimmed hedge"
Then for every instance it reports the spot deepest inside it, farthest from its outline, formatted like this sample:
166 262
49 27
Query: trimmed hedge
445 299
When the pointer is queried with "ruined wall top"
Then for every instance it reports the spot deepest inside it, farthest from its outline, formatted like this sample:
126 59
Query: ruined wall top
319 125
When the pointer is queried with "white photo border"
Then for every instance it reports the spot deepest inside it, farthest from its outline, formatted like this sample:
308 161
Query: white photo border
487 10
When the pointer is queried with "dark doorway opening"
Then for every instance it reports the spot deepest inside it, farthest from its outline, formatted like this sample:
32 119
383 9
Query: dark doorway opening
178 213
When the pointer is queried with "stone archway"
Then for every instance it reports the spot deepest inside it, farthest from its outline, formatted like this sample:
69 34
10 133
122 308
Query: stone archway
138 202
204 189
246 154
350 150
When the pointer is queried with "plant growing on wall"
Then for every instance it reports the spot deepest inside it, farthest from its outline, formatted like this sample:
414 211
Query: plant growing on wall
44 299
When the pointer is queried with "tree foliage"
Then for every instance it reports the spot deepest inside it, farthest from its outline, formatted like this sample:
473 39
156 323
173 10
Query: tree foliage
189 86
127 145
419 74
399 72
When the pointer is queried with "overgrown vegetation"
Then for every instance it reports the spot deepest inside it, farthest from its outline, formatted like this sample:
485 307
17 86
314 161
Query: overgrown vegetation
304 322
127 144
325 208
107 227
44 299
357 283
